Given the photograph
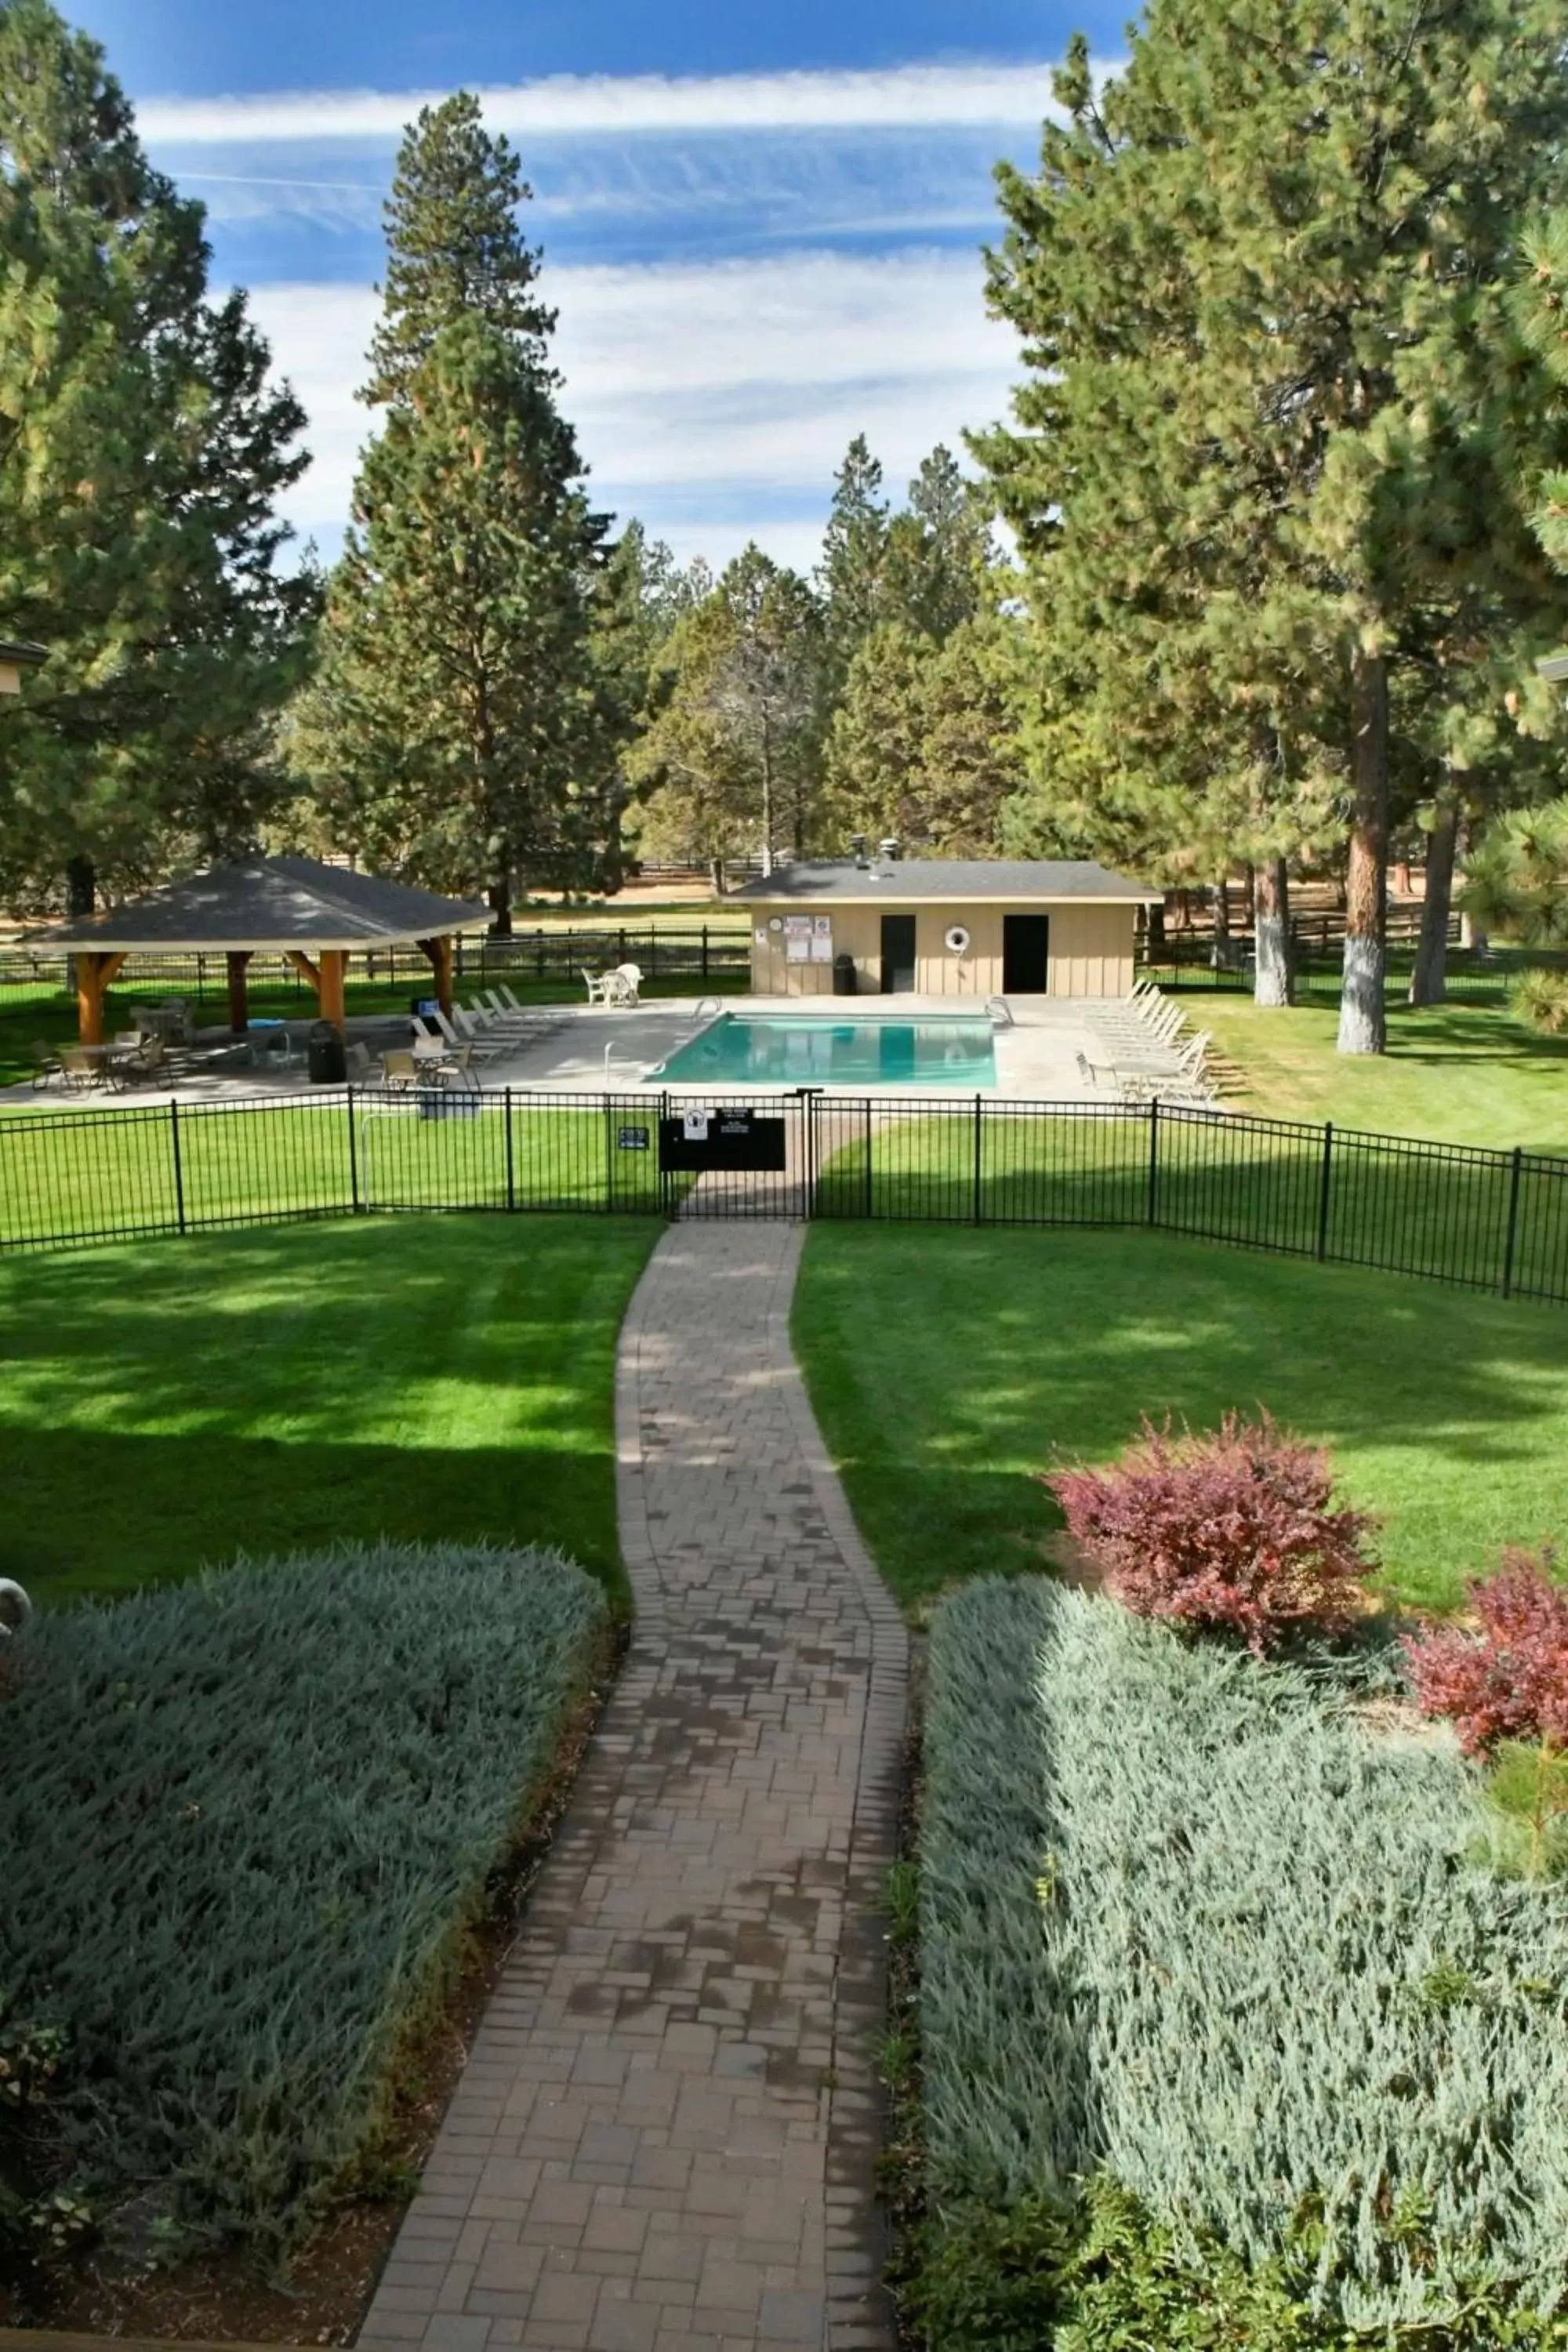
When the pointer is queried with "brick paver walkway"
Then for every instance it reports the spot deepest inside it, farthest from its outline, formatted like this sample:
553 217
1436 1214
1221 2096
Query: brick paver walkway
665 2135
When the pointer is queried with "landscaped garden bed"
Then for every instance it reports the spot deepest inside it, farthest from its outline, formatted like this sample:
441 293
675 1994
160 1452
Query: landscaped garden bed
257 1826
1233 2032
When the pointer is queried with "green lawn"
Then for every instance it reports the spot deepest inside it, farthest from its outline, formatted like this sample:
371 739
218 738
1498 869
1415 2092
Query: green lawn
1459 1072
947 1368
167 1406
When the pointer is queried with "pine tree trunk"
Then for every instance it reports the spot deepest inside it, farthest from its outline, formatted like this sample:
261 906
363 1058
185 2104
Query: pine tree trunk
1363 1026
1219 955
767 796
1429 980
500 896
80 882
1273 979
716 868
1157 929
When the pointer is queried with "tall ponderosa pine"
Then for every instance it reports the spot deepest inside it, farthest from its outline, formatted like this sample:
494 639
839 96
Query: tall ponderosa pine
732 763
141 450
458 726
1256 281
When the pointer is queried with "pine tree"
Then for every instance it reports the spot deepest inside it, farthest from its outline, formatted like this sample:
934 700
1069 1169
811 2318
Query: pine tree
141 450
876 742
849 579
461 728
733 761
939 551
1256 279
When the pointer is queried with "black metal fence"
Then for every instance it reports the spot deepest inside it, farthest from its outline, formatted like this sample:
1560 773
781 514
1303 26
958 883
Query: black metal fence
699 952
1490 1219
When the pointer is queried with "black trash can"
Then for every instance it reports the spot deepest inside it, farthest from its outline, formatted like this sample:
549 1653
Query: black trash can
326 1055
844 976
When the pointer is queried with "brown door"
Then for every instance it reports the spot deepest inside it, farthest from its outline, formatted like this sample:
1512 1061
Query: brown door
1026 954
898 955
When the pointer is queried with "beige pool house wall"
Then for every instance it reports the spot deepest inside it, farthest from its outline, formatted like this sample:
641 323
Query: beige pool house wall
1090 947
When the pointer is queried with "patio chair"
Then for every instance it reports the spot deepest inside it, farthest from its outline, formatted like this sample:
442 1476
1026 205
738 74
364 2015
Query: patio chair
601 987
148 1060
270 1048
358 1064
78 1070
503 1017
399 1070
46 1063
621 985
483 1048
448 1032
458 1070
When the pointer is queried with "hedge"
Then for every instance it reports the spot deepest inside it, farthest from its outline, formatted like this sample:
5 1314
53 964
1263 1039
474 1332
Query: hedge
248 1823
1190 1922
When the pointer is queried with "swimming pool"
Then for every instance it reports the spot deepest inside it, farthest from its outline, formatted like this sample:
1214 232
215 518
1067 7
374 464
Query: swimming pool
768 1051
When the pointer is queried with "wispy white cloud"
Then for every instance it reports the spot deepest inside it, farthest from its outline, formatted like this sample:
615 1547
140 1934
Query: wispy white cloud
713 400
573 105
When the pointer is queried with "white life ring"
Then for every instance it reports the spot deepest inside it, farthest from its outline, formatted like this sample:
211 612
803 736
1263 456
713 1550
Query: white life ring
14 1607
956 941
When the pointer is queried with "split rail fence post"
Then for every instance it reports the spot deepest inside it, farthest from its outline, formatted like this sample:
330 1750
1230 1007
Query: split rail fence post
1323 1187
179 1167
1515 1169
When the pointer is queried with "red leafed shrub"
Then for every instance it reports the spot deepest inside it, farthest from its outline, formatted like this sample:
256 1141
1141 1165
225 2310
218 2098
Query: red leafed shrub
1510 1681
1233 1529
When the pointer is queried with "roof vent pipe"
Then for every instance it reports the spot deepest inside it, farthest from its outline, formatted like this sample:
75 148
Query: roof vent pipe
888 849
857 849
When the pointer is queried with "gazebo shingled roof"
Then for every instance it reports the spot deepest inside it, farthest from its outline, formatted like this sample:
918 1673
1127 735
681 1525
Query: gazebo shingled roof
313 913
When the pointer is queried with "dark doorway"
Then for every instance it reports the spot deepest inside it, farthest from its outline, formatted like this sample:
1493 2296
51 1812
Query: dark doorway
1026 954
897 954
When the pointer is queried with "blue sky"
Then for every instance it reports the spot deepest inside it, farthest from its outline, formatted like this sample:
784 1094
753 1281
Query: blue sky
762 226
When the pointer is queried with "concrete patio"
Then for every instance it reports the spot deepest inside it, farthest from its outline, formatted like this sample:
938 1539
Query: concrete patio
595 1048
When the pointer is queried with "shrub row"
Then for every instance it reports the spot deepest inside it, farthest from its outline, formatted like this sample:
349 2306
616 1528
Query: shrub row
1188 1923
247 1824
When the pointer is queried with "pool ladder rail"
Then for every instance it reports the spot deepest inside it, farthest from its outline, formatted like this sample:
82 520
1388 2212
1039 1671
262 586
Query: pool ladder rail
1001 1011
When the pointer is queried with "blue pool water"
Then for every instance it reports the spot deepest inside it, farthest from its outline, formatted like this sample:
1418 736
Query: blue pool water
783 1052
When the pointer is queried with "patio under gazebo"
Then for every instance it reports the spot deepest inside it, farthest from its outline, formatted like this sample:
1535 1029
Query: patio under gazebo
314 915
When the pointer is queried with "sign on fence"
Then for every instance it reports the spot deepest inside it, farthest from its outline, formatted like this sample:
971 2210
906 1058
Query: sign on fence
737 1139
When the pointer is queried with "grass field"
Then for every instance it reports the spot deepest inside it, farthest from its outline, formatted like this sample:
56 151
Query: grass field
1458 1074
438 1379
948 1369
120 1168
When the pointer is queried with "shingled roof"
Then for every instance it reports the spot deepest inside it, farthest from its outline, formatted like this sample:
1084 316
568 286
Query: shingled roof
267 903
961 881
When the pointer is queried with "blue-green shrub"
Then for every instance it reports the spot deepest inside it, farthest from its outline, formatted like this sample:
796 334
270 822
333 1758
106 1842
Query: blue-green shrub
247 1825
1188 1921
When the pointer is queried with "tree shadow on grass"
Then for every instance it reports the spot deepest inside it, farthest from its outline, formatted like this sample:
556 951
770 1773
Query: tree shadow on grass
166 1406
948 1371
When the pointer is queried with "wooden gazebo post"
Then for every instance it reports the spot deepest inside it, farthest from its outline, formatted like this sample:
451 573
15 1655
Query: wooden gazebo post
326 977
439 954
93 973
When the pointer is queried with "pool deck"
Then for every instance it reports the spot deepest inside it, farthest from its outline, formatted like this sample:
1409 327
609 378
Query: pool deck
597 1049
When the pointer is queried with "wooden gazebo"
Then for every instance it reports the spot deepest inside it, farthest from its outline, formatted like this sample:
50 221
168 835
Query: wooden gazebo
314 915
16 655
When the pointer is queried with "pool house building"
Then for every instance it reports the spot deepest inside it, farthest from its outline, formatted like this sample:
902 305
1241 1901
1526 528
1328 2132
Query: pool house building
888 926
